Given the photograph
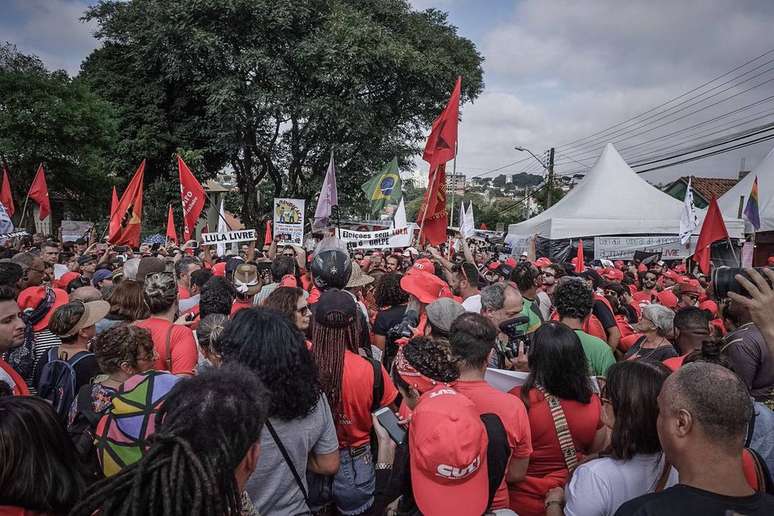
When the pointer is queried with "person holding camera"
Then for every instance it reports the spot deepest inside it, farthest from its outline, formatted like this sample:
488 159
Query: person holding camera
500 303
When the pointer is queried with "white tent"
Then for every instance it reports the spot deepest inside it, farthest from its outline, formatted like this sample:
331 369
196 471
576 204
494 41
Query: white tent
729 201
611 200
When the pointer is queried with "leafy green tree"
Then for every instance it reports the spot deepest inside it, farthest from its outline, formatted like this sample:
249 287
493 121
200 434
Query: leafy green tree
270 87
47 117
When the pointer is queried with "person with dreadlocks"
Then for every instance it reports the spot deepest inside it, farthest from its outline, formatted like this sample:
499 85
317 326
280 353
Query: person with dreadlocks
197 464
348 381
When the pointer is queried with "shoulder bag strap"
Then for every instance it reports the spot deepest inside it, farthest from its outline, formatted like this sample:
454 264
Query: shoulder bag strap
288 461
168 347
378 390
562 430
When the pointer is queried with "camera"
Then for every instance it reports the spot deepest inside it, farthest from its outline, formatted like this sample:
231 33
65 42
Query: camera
402 330
515 329
724 281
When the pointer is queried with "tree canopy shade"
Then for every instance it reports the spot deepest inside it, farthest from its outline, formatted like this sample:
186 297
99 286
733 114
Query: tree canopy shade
47 117
270 87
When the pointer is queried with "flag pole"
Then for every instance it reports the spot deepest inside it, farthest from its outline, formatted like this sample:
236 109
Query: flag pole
24 211
427 205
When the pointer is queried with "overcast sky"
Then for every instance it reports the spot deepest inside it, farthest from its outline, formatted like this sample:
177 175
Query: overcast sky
556 71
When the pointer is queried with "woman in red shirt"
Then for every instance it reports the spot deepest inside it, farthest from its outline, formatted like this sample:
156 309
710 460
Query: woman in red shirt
558 371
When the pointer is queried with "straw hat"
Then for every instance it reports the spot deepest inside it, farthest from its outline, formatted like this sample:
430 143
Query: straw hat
358 278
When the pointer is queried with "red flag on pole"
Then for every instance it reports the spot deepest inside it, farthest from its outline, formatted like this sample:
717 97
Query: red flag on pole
192 196
432 213
580 264
6 197
441 147
171 233
267 237
126 222
114 222
712 229
39 193
442 143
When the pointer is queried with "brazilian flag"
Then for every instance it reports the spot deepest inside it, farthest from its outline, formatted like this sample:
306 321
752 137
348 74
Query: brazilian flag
384 188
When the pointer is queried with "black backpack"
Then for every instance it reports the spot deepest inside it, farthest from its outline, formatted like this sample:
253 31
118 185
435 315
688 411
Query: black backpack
57 383
82 432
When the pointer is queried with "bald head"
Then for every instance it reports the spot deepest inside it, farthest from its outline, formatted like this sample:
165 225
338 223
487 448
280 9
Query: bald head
85 294
716 399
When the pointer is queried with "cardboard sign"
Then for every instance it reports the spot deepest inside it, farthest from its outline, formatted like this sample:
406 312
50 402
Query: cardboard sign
72 230
289 221
230 237
394 237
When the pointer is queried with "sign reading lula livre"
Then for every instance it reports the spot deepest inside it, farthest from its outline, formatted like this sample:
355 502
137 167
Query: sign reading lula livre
230 237
375 239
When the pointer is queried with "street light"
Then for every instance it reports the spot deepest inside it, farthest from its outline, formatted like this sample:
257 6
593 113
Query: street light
549 167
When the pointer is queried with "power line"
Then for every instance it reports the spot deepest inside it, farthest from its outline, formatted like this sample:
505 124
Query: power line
635 117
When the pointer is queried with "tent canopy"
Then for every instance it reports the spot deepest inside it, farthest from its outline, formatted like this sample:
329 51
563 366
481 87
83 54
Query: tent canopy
729 202
611 200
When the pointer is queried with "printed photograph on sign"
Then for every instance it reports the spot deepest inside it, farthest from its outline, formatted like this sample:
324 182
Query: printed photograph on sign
289 220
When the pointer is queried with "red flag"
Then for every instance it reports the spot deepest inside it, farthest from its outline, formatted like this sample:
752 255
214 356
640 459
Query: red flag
126 222
171 233
268 236
432 216
39 193
192 195
114 222
712 229
580 264
442 143
6 197
483 227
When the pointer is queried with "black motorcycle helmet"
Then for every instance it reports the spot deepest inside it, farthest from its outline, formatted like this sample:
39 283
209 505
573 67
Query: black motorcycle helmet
331 269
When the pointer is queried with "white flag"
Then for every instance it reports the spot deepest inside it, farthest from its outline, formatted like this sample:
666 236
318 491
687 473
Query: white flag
467 224
328 198
689 222
221 248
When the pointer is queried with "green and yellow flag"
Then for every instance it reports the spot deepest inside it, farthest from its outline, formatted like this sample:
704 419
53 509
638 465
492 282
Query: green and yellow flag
384 188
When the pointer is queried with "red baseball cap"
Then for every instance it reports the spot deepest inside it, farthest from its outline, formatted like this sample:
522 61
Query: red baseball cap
31 298
642 297
618 264
65 280
422 265
667 299
690 286
710 306
219 269
493 266
542 262
642 268
425 286
288 280
448 444
612 274
511 262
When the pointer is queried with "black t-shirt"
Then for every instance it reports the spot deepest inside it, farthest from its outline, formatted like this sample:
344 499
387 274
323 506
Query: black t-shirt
683 500
386 319
603 313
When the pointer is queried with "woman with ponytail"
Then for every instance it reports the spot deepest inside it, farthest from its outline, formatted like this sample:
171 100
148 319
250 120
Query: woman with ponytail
197 464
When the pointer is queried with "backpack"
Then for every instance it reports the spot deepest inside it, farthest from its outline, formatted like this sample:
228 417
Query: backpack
57 381
82 433
122 433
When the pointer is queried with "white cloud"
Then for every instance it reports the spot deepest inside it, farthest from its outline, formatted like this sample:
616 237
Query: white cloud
52 30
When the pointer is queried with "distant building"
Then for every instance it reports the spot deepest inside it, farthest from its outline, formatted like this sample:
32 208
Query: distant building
455 183
704 188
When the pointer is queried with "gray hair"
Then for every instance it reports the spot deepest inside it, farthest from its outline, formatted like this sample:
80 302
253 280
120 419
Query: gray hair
493 296
662 317
24 260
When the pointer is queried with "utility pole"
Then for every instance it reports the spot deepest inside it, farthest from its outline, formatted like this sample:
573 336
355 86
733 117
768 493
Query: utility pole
550 179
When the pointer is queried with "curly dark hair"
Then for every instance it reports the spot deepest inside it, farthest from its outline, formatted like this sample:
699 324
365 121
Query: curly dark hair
122 343
388 292
217 297
558 364
573 298
284 300
432 358
271 346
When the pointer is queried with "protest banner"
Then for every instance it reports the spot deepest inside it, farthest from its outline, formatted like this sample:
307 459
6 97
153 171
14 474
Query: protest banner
72 230
229 237
393 237
289 221
623 247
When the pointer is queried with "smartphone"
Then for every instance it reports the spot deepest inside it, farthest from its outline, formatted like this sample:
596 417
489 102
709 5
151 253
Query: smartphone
389 421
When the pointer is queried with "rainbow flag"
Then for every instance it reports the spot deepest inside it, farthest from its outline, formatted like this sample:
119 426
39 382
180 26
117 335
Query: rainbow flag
751 209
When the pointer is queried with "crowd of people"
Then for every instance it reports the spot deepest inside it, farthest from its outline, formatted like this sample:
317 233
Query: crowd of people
166 380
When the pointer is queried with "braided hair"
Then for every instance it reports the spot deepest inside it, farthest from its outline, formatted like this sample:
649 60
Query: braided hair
206 427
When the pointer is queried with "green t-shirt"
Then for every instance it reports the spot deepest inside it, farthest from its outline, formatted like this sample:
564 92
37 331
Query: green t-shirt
597 352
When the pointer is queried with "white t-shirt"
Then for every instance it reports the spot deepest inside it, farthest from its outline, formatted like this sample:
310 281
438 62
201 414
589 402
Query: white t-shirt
599 487
472 304
544 304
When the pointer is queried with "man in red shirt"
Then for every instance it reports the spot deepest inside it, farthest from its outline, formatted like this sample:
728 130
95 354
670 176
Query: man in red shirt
472 339
692 327
183 269
11 336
